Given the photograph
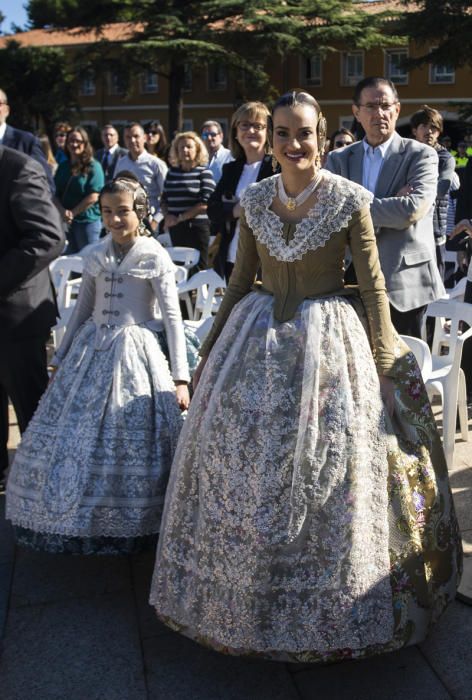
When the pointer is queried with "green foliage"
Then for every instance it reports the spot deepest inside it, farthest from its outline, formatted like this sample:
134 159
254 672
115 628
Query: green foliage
446 26
77 13
39 85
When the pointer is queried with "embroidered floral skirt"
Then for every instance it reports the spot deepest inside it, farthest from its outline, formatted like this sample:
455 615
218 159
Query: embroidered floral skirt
91 471
301 523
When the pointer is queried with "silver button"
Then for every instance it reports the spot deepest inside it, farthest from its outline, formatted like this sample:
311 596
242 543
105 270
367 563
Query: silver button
116 313
106 295
120 295
104 312
112 326
108 279
120 280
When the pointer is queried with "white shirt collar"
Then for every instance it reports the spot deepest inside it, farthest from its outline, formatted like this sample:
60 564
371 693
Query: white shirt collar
2 130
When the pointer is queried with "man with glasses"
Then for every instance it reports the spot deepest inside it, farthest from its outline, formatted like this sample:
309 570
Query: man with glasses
402 175
22 140
108 155
212 135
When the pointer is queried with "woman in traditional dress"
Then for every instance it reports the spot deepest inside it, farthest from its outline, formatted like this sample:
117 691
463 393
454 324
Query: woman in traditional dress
91 470
306 518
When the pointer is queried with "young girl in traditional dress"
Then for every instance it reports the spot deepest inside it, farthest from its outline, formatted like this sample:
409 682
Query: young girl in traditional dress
91 471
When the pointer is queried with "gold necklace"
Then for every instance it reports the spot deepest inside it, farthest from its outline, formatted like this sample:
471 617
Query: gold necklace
291 203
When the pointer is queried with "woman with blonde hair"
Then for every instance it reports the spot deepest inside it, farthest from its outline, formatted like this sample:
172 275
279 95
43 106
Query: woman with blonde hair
252 163
187 189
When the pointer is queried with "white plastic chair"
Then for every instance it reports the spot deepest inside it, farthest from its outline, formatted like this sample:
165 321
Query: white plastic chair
422 353
447 378
201 328
187 257
164 239
205 283
66 290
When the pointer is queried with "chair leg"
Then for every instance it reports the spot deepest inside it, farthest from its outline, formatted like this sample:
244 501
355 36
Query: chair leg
449 428
462 404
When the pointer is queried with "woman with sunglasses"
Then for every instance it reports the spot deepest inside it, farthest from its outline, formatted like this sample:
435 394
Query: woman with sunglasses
79 181
156 140
252 163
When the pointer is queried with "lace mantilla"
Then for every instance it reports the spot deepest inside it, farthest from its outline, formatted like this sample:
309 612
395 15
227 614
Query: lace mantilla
146 259
338 199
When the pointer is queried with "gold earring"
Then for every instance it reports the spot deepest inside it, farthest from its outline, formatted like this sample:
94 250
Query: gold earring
275 164
318 160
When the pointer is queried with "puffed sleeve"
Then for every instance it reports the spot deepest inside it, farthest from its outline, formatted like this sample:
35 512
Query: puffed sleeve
240 283
82 311
166 292
372 289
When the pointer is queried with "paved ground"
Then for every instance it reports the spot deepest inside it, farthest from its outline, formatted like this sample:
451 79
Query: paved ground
78 628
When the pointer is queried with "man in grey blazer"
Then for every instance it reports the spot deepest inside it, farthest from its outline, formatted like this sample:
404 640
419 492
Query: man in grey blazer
402 174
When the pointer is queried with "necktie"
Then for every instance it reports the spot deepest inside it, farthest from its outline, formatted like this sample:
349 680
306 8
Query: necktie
106 161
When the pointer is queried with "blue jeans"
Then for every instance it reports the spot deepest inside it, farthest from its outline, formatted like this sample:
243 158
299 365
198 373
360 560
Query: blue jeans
81 233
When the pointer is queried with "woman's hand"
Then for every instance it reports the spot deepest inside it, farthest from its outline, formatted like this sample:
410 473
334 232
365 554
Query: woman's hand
463 225
170 220
183 397
387 390
237 210
68 216
405 191
198 372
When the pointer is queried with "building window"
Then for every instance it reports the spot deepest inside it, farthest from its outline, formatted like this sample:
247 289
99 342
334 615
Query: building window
117 84
217 77
395 69
87 85
352 67
149 82
311 69
187 78
187 125
441 74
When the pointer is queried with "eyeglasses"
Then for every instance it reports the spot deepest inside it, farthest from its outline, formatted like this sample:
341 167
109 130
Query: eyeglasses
209 134
2 102
338 144
374 106
257 126
75 142
62 134
150 132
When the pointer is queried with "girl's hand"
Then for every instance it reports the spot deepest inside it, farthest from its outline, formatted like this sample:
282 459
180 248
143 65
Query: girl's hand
387 390
463 225
52 373
183 397
237 211
68 216
198 372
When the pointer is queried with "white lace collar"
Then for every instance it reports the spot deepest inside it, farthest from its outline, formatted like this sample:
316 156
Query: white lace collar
146 259
338 199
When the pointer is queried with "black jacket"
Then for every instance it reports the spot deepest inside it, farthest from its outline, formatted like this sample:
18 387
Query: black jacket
31 236
110 170
27 143
220 212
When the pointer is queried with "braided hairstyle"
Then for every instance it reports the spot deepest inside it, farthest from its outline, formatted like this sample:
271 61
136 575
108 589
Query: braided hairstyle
126 181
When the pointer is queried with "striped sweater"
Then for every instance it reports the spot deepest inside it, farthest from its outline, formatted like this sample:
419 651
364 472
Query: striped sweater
182 190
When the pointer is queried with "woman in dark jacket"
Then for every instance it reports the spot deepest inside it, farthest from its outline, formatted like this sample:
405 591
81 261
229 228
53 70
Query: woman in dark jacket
250 148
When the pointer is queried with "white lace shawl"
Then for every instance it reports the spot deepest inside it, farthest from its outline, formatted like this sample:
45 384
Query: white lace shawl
338 199
146 259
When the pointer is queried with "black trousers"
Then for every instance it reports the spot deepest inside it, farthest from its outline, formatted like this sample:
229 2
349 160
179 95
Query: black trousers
23 379
408 322
193 234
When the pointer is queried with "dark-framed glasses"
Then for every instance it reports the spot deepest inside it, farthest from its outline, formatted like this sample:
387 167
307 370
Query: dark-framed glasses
257 126
209 134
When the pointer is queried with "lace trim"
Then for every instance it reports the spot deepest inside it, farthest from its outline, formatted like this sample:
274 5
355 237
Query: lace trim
338 199
146 259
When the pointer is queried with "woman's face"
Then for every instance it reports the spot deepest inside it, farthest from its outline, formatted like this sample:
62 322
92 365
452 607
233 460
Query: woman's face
295 138
60 138
119 217
252 136
187 152
75 144
153 137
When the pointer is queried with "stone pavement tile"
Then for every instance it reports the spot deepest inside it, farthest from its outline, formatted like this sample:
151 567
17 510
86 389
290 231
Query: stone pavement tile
179 669
142 567
46 578
449 650
401 675
74 650
462 503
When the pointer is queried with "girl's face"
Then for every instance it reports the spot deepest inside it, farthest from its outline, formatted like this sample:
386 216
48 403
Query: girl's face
187 151
119 216
295 138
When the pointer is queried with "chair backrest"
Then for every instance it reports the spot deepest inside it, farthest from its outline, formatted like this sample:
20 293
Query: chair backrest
458 291
422 353
205 283
455 311
164 239
188 257
60 270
